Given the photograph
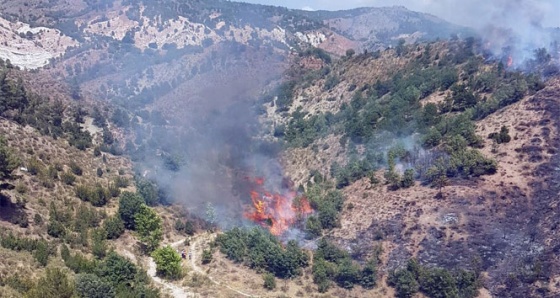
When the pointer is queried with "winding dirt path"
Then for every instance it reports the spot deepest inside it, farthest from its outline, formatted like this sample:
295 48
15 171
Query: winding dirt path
196 248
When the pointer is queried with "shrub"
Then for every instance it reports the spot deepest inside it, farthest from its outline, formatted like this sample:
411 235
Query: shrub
113 190
76 169
68 178
37 219
34 167
501 137
39 248
77 262
269 281
206 256
54 284
369 275
55 229
121 182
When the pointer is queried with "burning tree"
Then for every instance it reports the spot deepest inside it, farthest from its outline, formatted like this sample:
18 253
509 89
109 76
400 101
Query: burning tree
276 211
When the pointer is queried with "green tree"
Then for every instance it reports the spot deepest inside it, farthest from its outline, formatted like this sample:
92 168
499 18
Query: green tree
117 269
438 283
168 262
41 253
408 178
129 205
348 274
313 228
405 283
148 226
322 272
99 245
8 162
91 286
147 190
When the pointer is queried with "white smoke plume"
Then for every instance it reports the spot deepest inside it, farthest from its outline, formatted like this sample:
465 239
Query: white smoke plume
509 27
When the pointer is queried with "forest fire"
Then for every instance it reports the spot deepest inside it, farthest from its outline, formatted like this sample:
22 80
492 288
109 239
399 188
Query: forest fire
509 61
274 211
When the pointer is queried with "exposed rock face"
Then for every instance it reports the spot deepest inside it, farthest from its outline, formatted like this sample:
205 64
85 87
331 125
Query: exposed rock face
31 47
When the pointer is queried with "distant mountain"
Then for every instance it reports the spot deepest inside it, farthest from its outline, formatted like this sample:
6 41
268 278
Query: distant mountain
134 52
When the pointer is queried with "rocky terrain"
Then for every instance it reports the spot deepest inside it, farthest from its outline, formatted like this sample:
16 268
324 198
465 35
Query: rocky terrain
417 160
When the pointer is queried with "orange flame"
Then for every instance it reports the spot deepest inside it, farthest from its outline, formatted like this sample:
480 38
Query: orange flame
509 61
274 211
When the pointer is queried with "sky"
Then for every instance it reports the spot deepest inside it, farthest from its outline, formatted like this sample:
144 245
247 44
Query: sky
462 12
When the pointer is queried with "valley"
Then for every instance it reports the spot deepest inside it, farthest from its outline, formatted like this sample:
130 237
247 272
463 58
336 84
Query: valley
372 152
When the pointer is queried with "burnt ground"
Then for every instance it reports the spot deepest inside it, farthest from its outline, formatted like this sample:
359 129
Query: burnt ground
508 232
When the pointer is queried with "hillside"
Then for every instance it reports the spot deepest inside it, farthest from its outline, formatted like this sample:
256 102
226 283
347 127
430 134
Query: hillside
381 129
374 152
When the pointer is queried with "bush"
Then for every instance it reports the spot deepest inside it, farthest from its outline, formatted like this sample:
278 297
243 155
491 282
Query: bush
76 169
501 137
114 191
114 227
206 256
168 262
98 196
41 254
34 166
369 275
54 284
56 229
68 178
77 262
121 182
39 248
91 286
269 281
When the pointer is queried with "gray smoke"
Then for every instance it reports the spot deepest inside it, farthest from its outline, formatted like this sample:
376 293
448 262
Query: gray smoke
205 159
509 27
